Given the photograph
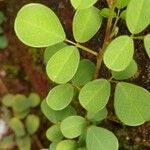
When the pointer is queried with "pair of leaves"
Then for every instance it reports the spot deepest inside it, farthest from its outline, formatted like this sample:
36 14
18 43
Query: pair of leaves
119 53
132 104
56 116
138 15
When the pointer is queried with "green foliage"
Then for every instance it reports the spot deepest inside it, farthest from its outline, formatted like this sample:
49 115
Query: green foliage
2 17
60 96
132 104
32 123
73 126
3 42
86 23
36 25
67 59
138 15
82 4
99 138
43 25
94 95
119 53
129 72
147 44
84 73
8 100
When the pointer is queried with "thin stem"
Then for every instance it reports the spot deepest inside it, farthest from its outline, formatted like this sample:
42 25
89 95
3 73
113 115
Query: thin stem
107 40
82 47
39 144
78 88
138 37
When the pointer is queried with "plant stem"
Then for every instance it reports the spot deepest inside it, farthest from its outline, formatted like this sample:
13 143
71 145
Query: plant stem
39 144
3 89
107 40
138 37
82 47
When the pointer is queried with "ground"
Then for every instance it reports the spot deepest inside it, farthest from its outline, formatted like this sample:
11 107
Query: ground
22 69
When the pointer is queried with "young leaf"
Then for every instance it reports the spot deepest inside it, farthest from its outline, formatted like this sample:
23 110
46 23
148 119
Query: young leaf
129 72
73 126
132 104
32 123
84 74
98 116
17 126
82 4
24 143
100 138
3 42
39 29
63 65
54 134
60 96
119 53
8 100
105 13
21 115
67 145
147 44
34 100
122 3
51 50
95 95
20 103
86 23
138 15
56 116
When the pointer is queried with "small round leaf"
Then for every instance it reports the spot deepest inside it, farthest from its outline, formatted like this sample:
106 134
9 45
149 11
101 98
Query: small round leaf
132 104
34 99
84 74
100 138
56 116
86 23
32 123
73 126
60 96
129 72
95 95
37 26
119 53
63 65
54 134
82 4
8 100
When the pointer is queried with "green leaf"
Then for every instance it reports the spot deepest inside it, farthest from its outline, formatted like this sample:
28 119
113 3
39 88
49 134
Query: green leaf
63 65
60 96
53 146
132 104
37 26
98 116
3 42
1 30
147 44
84 74
8 100
67 145
123 14
34 99
119 53
56 116
6 142
86 23
82 4
2 17
129 72
54 134
51 50
73 126
95 95
138 15
32 123
24 143
122 3
17 126
21 115
20 103
105 13
100 138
